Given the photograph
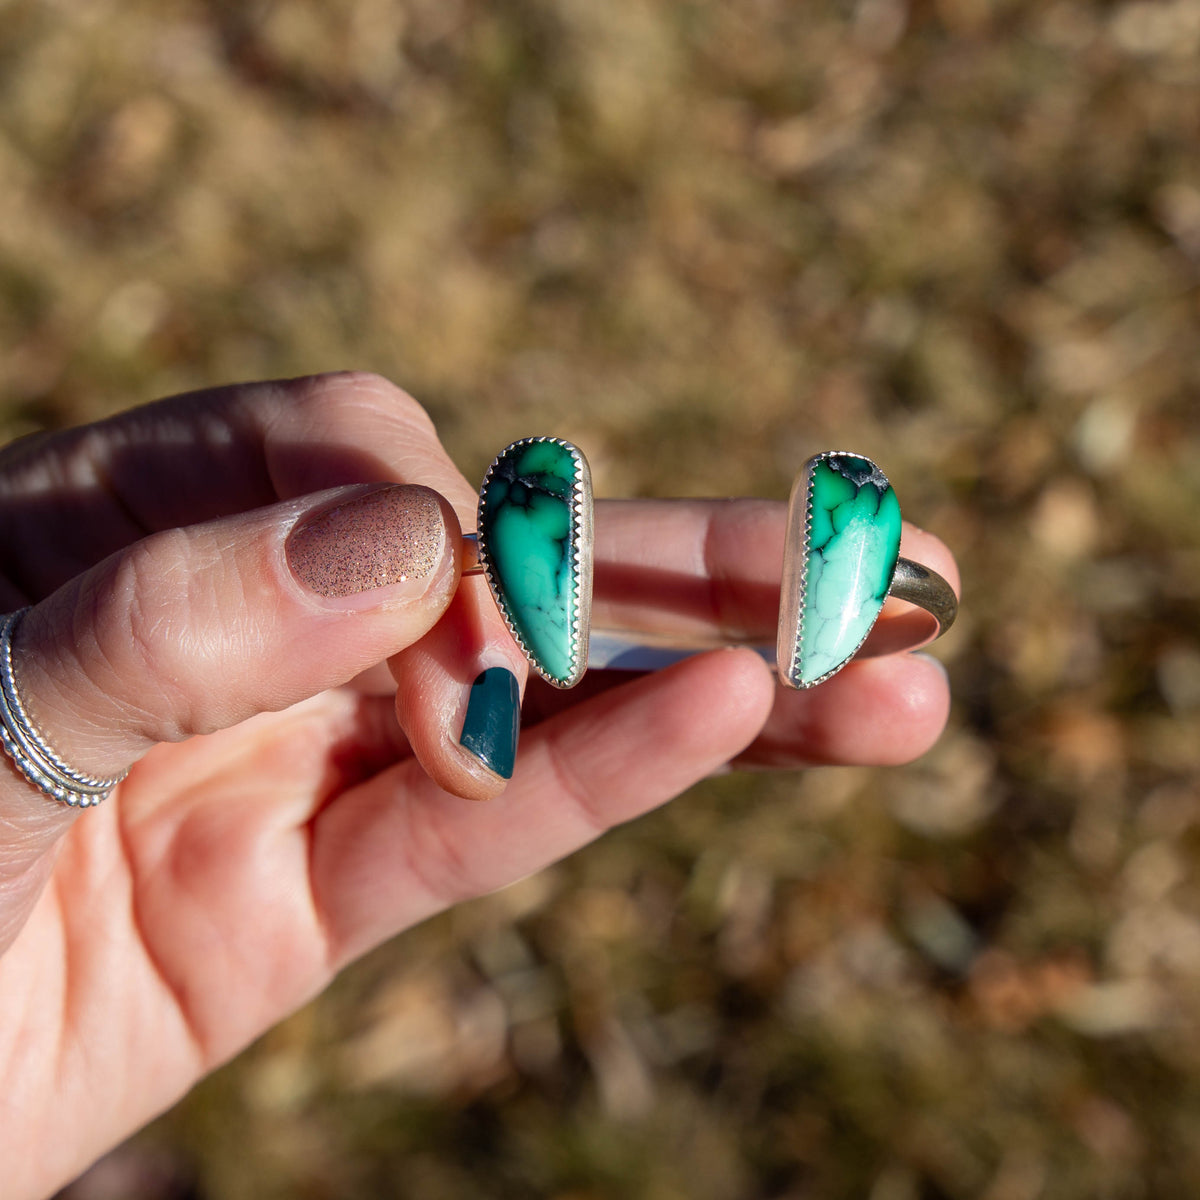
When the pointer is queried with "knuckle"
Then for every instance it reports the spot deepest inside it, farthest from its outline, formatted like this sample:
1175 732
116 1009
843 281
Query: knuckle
435 859
575 789
333 395
142 638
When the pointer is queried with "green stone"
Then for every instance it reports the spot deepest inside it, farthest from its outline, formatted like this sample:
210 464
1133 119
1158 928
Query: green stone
849 556
532 539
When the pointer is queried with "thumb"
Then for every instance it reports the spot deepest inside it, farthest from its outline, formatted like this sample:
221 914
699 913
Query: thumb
196 629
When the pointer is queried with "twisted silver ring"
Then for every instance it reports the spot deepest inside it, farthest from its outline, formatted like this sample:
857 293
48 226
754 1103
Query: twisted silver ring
24 743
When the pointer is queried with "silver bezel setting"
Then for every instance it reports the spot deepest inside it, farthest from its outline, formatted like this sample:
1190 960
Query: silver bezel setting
581 556
795 573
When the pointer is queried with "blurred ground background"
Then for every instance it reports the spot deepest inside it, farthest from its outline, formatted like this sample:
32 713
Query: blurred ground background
704 239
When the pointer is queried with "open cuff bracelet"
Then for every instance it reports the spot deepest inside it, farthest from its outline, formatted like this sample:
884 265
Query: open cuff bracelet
841 562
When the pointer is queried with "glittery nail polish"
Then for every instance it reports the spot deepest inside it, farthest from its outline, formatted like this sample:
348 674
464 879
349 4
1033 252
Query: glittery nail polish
388 536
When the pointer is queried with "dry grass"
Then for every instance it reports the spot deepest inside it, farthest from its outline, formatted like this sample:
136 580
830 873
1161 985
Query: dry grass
704 239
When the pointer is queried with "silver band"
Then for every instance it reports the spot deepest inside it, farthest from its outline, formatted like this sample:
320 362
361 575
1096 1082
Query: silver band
31 754
935 607
472 564
629 649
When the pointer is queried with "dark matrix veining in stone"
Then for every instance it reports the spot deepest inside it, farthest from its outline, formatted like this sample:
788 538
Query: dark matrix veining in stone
528 535
850 554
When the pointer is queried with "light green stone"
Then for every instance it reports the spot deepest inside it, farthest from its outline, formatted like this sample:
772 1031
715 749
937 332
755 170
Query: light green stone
850 557
529 536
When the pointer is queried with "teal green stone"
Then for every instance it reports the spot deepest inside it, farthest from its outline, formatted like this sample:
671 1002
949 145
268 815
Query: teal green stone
850 557
528 537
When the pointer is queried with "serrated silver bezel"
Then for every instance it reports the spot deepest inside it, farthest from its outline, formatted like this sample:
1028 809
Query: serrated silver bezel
581 554
795 573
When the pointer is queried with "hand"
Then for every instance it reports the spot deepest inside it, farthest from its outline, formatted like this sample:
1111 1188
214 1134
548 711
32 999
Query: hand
292 805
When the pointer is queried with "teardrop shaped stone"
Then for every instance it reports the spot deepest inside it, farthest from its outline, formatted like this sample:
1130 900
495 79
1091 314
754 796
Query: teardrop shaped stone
535 542
844 531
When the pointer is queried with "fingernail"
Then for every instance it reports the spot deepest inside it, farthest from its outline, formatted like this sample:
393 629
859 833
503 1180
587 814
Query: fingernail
937 662
387 536
493 720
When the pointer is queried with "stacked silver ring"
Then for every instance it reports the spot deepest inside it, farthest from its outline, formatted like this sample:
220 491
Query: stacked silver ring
30 752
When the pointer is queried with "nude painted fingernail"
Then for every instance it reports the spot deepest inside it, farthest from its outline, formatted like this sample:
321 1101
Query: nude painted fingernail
388 536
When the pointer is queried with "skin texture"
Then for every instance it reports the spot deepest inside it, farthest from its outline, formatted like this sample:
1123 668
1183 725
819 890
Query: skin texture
293 803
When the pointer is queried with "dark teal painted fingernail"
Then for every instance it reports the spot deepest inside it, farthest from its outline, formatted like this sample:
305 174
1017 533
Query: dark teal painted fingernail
493 720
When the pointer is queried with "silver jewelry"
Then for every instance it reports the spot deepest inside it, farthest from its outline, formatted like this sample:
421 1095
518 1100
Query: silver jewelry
841 562
24 743
535 546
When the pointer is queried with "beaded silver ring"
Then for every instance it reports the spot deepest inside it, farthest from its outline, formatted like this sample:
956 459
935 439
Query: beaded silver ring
33 757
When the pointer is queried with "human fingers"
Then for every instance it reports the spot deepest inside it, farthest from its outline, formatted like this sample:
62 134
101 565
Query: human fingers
709 570
358 413
398 848
443 676
196 629
875 712
76 497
